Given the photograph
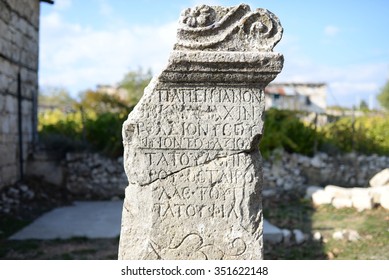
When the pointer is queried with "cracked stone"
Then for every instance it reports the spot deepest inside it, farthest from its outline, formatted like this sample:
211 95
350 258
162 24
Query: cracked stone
191 144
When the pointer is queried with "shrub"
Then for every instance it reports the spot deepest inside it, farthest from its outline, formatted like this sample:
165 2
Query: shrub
104 133
94 123
365 135
283 129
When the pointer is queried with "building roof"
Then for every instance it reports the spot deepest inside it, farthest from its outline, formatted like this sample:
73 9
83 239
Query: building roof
289 89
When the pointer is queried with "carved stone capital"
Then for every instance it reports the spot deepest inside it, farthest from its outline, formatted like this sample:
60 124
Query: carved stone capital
213 28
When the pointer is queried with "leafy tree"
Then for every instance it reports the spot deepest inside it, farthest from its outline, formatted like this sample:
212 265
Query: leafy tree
96 103
383 97
363 106
283 129
94 122
134 83
55 98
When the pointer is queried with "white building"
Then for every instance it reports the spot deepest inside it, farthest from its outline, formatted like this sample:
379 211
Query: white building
309 97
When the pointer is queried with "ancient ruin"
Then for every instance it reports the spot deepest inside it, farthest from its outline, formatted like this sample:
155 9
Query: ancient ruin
191 144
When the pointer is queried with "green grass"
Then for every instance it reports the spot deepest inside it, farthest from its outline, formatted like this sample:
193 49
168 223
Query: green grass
372 226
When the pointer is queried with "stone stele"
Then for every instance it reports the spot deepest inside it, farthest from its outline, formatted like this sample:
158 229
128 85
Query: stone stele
191 143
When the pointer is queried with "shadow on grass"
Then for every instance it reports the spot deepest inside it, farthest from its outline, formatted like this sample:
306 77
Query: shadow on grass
292 212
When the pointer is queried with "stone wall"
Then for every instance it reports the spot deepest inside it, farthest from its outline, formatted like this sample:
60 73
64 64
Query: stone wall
289 172
19 28
88 175
92 176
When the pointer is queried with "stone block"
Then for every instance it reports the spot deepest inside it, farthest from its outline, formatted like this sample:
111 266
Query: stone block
342 202
384 199
377 192
11 104
362 202
336 191
10 174
191 144
49 169
321 197
299 236
317 236
339 235
353 236
271 233
286 236
317 162
380 179
360 191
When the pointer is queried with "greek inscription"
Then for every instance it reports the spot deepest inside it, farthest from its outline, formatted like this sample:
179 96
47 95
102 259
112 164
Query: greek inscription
208 95
179 210
198 129
198 193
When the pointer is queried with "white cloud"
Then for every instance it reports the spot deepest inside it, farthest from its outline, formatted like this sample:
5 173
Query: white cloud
78 57
331 30
105 8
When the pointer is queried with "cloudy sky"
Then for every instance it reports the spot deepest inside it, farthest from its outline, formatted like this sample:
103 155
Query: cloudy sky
343 43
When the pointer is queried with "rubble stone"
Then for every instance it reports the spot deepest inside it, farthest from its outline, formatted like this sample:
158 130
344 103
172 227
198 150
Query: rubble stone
380 179
321 197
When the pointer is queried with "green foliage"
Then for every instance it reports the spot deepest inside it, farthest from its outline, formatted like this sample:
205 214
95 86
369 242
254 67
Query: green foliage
104 133
134 83
53 97
366 135
283 129
383 97
95 103
94 123
363 106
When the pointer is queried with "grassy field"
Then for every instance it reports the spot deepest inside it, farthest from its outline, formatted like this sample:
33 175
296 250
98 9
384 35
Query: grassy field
371 225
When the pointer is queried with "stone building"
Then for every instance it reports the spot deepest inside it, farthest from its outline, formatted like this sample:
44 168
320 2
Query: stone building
309 97
19 49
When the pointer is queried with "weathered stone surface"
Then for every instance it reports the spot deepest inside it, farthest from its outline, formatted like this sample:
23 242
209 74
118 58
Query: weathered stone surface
384 199
286 236
298 236
94 176
362 202
380 179
191 144
335 191
272 234
321 197
317 236
18 54
342 202
348 234
376 193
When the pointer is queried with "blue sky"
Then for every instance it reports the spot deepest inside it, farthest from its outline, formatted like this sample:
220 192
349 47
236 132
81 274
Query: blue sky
340 42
